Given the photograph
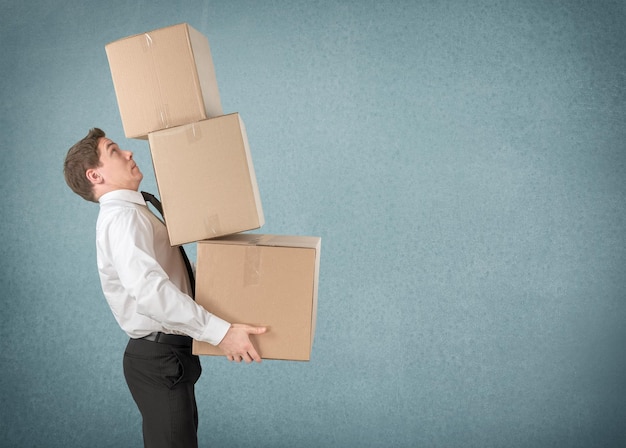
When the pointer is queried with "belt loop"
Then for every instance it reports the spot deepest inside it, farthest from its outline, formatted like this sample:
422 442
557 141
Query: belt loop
158 336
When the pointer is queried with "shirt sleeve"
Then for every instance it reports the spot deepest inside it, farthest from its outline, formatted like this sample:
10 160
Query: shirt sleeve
130 241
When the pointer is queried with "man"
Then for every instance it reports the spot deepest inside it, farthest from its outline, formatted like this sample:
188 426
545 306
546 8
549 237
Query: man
147 287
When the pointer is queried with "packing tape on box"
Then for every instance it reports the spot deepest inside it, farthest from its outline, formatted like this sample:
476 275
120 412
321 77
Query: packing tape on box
194 133
212 224
146 43
254 239
163 117
252 266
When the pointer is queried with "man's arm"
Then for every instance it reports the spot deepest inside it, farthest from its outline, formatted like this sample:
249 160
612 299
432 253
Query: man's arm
159 299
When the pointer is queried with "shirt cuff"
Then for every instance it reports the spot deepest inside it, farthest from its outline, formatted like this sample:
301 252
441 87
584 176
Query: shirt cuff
215 331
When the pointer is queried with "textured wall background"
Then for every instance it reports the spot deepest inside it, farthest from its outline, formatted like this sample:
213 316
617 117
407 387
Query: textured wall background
463 163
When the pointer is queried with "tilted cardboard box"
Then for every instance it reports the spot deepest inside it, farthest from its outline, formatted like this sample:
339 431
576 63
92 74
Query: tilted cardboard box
163 78
206 179
264 280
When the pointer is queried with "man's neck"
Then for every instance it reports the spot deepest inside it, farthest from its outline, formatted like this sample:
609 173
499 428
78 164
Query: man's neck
99 192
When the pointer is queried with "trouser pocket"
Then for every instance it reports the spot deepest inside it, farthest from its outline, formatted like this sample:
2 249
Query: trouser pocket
160 365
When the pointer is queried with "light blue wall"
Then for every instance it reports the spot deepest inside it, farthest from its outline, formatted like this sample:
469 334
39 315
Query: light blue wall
464 163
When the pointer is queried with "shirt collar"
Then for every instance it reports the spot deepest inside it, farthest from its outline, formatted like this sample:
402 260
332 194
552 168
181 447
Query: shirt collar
122 195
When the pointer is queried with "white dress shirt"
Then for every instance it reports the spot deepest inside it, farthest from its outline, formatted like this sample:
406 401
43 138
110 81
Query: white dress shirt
143 278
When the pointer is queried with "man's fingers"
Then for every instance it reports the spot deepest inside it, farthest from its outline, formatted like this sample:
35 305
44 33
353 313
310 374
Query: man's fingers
250 329
255 356
246 357
257 330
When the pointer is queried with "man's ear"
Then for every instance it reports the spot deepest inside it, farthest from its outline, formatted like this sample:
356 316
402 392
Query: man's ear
94 176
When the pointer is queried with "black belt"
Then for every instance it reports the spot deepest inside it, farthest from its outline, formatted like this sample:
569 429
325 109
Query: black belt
171 339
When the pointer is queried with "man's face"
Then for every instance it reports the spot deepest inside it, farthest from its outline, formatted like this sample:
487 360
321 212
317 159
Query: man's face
117 167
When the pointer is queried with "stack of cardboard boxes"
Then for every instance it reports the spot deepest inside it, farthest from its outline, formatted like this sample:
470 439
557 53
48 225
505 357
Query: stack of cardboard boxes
167 93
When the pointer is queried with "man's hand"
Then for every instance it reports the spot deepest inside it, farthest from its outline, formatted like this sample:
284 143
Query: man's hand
236 344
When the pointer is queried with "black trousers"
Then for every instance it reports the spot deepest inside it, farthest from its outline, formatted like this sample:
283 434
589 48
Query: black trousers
161 379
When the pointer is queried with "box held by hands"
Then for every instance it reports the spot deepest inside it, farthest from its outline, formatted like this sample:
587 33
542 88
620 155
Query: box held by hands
262 280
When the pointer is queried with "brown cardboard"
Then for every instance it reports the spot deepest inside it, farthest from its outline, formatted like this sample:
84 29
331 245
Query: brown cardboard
206 179
263 280
163 78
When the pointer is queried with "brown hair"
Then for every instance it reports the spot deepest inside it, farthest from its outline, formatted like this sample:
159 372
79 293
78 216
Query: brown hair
81 157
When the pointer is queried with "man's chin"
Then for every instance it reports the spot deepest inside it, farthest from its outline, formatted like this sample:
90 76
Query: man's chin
138 183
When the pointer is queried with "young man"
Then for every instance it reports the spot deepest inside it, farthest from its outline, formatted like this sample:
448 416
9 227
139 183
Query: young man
146 284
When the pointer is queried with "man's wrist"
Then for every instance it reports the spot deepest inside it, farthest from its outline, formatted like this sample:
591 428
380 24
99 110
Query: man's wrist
216 330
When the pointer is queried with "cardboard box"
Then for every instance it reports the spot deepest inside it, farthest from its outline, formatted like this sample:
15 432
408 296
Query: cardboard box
163 78
206 179
262 280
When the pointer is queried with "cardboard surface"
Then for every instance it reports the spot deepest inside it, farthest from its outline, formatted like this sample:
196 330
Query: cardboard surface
206 179
263 280
163 78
